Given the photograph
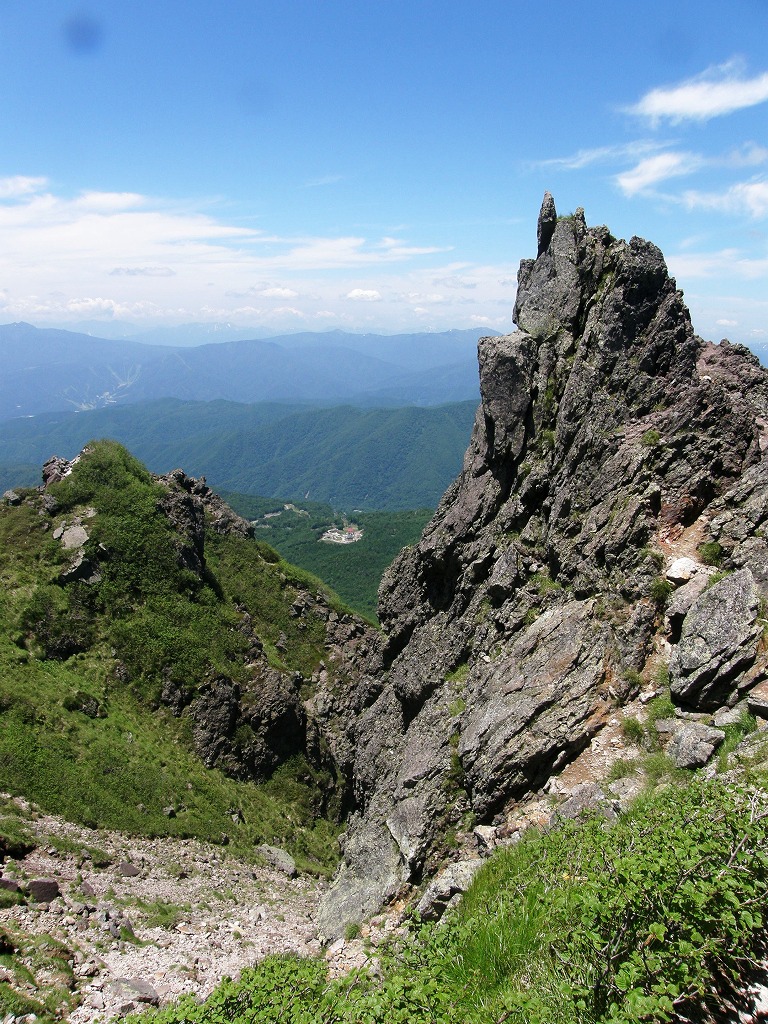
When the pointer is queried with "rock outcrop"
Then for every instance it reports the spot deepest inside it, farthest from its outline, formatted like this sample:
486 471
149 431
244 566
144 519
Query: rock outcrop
610 442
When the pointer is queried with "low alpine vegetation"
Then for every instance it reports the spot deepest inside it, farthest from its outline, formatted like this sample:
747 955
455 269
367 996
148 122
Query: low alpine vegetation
597 922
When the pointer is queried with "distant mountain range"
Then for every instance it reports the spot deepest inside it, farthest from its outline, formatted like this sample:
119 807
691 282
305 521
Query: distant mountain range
48 370
391 458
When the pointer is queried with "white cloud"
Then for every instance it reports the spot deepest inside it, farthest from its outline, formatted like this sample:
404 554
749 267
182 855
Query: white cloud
93 305
747 197
657 168
109 202
748 155
489 321
430 298
604 154
326 179
279 293
454 281
716 92
19 185
720 264
142 272
140 258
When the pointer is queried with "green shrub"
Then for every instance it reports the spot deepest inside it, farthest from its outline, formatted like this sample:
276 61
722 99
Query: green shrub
660 590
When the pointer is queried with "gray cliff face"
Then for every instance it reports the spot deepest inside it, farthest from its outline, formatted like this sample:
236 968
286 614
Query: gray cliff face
609 440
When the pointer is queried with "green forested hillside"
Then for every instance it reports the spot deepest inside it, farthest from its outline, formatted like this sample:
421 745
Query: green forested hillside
351 458
354 571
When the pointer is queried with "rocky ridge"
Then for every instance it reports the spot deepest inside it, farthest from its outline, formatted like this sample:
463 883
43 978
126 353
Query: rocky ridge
611 442
274 709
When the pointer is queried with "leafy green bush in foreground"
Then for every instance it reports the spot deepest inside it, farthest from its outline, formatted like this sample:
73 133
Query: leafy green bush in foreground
592 922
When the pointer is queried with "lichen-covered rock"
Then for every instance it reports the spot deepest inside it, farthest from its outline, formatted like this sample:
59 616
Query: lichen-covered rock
584 799
280 859
453 881
535 707
693 744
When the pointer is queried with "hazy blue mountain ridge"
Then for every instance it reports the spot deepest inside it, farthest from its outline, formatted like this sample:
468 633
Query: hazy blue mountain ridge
50 370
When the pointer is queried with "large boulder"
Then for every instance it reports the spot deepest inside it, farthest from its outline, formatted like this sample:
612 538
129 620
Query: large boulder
718 642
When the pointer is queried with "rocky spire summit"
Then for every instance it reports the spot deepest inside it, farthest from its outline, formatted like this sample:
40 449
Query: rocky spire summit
610 440
547 220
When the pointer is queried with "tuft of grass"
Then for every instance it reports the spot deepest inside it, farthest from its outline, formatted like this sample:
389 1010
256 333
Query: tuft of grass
159 914
633 730
660 707
734 734
622 768
458 674
660 591
711 553
650 438
545 584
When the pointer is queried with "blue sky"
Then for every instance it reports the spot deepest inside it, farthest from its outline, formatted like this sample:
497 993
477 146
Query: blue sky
373 166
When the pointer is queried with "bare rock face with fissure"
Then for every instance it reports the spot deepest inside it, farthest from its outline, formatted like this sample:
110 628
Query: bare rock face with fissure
610 441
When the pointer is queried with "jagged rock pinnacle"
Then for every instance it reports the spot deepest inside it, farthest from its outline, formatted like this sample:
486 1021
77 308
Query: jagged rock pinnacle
547 221
529 609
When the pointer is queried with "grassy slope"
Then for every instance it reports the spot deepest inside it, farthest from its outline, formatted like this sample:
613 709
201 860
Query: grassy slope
85 737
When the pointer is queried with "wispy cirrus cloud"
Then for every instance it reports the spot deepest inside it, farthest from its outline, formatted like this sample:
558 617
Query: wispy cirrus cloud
454 281
142 272
604 154
716 92
653 169
278 293
748 198
20 185
748 155
326 179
